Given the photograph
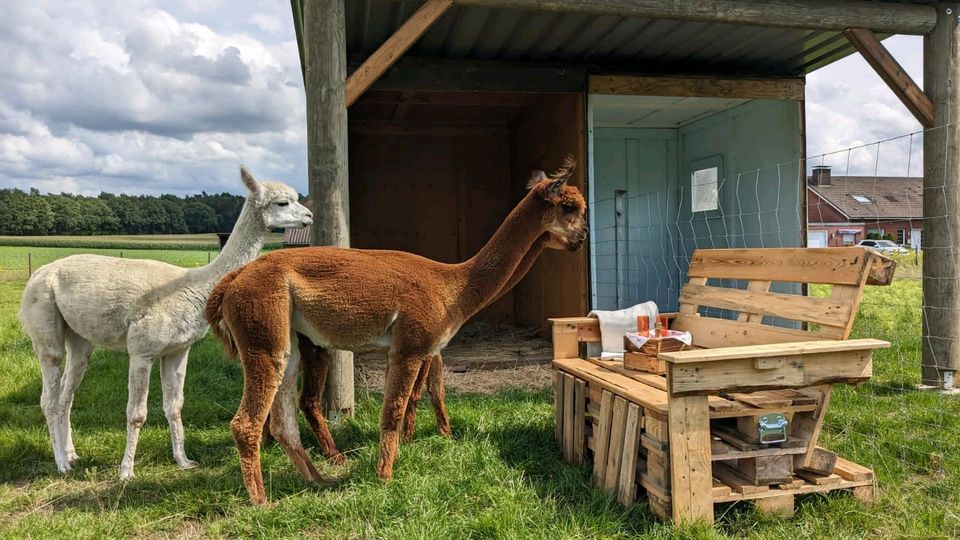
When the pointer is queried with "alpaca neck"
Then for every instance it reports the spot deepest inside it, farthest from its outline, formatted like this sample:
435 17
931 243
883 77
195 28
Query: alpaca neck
490 270
243 246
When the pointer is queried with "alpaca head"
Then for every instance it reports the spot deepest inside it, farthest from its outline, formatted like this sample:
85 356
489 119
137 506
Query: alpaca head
276 202
564 207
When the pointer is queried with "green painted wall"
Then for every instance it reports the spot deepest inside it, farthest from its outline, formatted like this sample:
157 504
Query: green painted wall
756 147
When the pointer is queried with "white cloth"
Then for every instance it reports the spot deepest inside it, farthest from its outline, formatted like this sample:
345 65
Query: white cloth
615 324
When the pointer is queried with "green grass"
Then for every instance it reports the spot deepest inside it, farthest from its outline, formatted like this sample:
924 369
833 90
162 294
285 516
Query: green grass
500 478
206 241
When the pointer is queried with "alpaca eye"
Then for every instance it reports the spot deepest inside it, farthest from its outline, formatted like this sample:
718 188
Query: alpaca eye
283 204
569 208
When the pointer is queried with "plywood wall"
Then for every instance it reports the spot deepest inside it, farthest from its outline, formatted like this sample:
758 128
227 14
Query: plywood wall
557 284
437 193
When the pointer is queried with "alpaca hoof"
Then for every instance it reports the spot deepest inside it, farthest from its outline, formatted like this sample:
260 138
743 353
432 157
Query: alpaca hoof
64 468
260 501
126 476
338 459
188 464
445 432
72 458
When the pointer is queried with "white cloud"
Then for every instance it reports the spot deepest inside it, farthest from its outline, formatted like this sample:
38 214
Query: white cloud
849 106
125 96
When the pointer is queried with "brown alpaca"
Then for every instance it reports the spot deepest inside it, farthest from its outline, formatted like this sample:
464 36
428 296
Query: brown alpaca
359 300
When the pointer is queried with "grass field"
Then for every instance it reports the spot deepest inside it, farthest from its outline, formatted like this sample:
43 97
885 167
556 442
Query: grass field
206 241
500 478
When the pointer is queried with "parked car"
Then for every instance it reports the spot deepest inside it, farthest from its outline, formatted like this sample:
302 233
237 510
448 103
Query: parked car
883 246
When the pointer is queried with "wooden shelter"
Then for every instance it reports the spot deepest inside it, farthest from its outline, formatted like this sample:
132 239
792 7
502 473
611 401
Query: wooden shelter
452 103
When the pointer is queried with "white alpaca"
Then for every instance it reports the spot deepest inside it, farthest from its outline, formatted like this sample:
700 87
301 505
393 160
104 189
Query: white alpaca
148 308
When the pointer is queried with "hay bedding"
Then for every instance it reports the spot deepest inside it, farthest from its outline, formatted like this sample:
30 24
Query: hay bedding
482 358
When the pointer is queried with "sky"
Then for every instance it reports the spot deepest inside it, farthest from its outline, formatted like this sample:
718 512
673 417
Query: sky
148 97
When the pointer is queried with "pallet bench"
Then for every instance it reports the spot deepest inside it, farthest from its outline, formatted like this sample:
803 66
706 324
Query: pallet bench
684 440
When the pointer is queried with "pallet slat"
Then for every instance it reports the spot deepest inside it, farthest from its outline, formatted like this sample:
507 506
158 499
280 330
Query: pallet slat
579 418
812 309
602 438
614 453
558 407
812 265
627 489
568 418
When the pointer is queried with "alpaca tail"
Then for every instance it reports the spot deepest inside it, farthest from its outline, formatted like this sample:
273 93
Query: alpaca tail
214 314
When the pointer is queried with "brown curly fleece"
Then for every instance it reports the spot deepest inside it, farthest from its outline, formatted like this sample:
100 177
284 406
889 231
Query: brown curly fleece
352 299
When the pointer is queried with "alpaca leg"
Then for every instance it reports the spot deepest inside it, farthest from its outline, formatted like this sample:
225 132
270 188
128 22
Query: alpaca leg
410 417
262 374
315 364
173 371
283 417
138 386
400 380
50 369
438 396
78 355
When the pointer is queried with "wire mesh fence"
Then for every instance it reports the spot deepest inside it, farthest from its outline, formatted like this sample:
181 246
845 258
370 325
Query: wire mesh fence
643 240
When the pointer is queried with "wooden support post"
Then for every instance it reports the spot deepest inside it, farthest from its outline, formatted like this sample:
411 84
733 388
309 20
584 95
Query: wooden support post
568 381
806 426
394 47
941 201
782 505
892 73
691 471
325 71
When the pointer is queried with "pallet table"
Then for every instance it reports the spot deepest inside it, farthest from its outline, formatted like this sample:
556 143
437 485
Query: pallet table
684 440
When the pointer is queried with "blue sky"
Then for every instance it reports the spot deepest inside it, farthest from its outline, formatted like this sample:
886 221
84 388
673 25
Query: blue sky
140 96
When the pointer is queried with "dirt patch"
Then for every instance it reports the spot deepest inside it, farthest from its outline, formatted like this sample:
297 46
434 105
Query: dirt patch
487 381
482 358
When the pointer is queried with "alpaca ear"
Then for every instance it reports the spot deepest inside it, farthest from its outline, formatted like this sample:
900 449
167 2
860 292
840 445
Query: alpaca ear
555 187
535 178
248 180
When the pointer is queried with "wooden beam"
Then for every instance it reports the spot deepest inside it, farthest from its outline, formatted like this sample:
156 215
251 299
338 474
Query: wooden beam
394 47
743 88
411 73
837 15
941 210
892 73
691 481
326 67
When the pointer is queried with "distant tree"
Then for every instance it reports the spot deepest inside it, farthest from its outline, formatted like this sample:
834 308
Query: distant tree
200 218
175 223
67 213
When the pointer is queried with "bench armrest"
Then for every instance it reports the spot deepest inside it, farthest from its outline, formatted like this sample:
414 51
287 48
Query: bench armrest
769 367
772 350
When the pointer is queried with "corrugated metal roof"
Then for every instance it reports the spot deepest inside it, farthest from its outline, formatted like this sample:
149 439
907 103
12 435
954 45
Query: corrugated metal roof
637 44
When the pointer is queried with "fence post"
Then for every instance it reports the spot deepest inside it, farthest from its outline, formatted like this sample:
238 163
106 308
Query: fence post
29 264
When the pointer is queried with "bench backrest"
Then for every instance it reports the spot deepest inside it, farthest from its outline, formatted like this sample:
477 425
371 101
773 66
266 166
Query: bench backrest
847 269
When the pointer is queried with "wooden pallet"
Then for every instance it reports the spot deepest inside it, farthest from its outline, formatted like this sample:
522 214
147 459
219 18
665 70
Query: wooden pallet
688 440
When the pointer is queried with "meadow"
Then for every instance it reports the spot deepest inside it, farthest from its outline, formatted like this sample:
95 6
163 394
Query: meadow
501 477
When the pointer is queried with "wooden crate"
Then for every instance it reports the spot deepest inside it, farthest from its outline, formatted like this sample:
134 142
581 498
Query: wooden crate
683 440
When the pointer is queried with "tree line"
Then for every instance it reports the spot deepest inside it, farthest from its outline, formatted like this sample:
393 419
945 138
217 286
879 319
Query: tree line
33 213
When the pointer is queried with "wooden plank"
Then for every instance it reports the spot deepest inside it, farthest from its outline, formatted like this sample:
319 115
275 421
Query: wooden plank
803 490
755 285
794 483
579 419
766 470
768 400
781 505
890 71
635 391
736 413
740 88
774 350
565 343
819 479
839 266
615 449
822 311
602 438
393 48
690 469
813 14
627 490
568 383
737 482
849 470
807 427
741 376
864 494
688 309
558 408
822 461
713 333
719 489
